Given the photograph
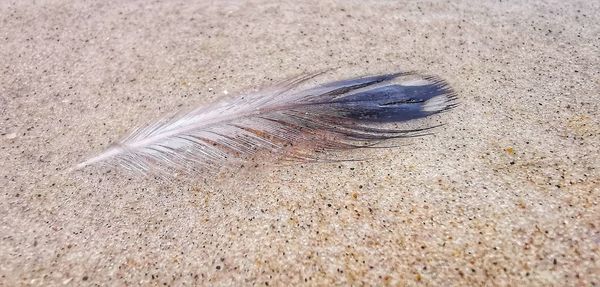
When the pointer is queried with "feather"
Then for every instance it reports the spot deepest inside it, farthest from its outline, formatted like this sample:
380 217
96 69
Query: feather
284 121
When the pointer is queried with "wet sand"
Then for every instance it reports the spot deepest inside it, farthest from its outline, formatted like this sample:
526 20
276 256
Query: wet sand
506 193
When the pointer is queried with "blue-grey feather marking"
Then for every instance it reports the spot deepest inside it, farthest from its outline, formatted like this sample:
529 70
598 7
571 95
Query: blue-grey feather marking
390 103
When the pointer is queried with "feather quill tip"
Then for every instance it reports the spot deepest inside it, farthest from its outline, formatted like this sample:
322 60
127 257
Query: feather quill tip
109 153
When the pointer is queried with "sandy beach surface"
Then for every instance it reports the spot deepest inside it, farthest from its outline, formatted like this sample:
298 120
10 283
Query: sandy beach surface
506 193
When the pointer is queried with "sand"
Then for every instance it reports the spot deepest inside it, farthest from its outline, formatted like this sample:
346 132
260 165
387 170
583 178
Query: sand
506 193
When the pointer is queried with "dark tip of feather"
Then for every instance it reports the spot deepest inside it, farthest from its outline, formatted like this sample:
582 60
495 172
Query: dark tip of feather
395 103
